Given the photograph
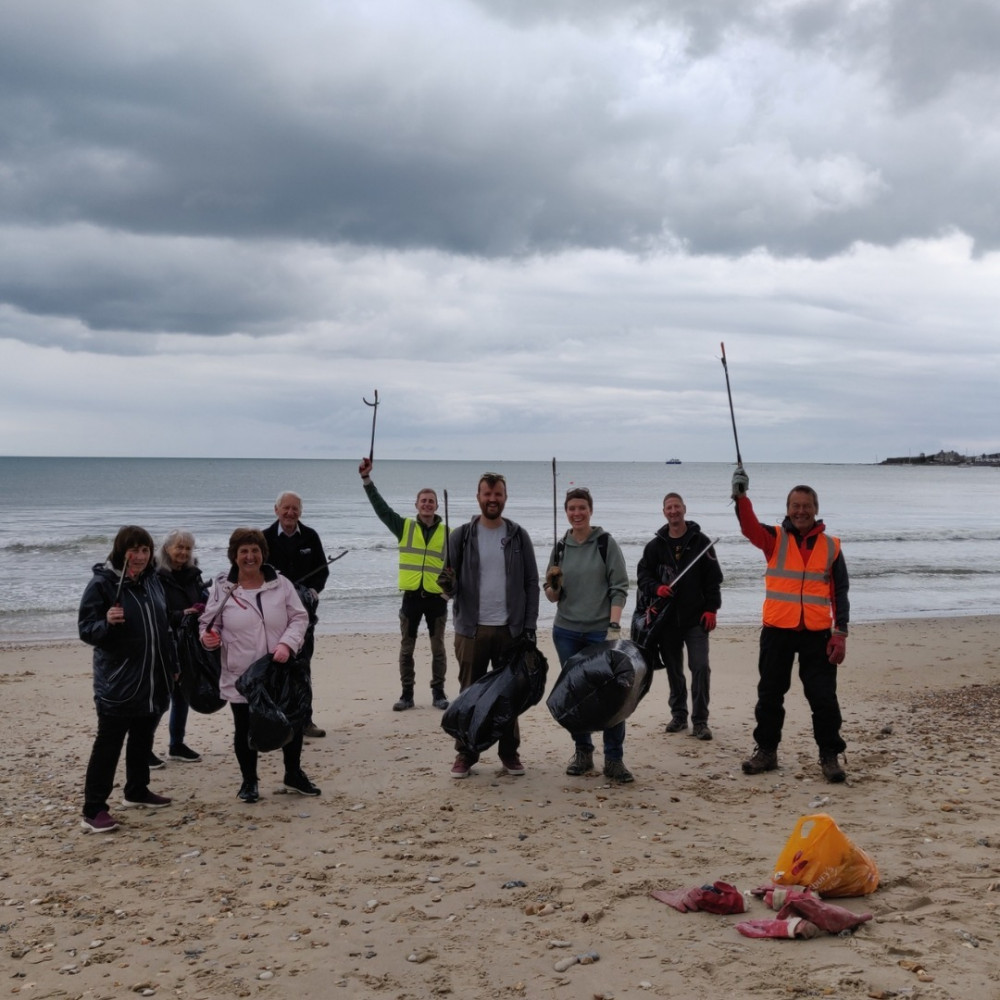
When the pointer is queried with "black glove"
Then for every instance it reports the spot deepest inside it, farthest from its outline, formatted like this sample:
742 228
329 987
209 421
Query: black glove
529 636
446 581
741 482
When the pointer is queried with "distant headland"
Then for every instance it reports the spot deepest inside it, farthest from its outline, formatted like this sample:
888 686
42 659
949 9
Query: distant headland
945 458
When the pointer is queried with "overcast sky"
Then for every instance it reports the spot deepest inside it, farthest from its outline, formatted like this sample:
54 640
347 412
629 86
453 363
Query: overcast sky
528 223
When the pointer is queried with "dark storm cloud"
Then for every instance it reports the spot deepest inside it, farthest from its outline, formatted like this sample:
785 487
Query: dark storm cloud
715 126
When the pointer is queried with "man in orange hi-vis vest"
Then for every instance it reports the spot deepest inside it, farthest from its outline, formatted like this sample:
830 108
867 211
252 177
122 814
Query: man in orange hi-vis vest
806 612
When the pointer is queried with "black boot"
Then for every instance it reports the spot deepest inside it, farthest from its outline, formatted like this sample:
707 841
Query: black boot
405 700
439 698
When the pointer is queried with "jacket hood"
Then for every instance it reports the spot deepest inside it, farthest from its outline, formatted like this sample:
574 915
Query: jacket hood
691 526
817 529
270 573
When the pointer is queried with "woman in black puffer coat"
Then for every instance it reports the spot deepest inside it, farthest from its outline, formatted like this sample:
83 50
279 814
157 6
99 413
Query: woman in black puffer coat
123 615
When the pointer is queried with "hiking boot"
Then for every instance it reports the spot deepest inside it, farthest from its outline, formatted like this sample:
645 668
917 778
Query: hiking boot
438 696
615 770
183 752
405 701
248 792
462 767
761 760
154 762
676 725
298 782
101 823
314 731
148 801
513 765
701 731
582 762
830 765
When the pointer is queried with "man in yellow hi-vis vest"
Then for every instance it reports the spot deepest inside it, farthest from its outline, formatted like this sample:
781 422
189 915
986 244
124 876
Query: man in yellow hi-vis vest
423 541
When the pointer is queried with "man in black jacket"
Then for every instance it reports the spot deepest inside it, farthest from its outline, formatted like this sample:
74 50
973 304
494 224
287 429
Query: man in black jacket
295 551
690 612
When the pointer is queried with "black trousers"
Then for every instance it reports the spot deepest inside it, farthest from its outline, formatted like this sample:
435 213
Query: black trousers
778 649
246 756
112 731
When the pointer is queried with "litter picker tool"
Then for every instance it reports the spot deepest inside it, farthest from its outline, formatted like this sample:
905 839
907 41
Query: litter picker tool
312 572
447 533
555 508
374 406
732 415
121 580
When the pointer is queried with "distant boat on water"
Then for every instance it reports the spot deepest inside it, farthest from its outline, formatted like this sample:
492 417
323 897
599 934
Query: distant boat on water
673 461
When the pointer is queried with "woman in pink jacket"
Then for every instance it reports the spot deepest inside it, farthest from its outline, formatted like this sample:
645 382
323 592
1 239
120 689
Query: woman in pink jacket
253 610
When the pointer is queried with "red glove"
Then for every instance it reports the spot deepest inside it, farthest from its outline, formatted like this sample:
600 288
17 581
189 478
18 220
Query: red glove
794 927
664 590
836 649
708 621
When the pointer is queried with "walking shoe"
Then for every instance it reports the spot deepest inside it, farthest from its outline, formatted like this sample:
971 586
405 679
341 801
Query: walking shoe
148 801
582 762
298 782
701 731
832 771
405 702
513 765
760 760
314 731
101 823
154 762
676 725
615 770
440 701
248 792
184 753
461 768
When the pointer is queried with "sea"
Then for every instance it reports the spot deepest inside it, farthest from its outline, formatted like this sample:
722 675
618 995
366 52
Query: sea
919 541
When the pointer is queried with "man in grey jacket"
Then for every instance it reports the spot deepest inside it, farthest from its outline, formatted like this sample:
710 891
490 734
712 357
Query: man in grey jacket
492 578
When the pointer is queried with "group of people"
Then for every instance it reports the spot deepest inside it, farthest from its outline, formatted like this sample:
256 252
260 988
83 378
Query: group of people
486 568
131 612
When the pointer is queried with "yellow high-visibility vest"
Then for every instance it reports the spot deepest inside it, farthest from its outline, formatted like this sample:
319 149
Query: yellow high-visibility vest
420 562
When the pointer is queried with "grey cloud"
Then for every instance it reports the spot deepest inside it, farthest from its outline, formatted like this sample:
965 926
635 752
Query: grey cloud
342 129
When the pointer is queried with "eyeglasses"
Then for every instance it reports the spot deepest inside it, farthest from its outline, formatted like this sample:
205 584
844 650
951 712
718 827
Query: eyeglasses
492 478
577 491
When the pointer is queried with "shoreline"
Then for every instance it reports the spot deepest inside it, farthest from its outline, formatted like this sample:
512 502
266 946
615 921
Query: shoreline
394 882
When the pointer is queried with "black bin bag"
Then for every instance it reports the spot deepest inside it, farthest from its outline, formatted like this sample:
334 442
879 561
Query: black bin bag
279 696
199 668
478 716
600 686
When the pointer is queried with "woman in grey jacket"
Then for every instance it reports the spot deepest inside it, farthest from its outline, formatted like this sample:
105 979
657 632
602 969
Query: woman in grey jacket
588 580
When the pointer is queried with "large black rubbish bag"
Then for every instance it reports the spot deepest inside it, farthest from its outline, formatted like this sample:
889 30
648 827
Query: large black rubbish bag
647 622
199 668
478 716
600 686
279 696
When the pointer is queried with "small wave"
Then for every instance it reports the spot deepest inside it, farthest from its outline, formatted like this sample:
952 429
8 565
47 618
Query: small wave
81 544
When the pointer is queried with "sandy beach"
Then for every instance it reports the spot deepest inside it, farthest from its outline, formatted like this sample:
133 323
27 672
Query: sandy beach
394 883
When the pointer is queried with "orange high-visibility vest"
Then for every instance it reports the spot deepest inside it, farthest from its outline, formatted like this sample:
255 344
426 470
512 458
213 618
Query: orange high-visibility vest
798 592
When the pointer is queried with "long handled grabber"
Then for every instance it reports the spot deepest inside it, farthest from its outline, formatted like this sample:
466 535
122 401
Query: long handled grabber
654 613
329 559
555 507
447 533
732 415
121 580
374 406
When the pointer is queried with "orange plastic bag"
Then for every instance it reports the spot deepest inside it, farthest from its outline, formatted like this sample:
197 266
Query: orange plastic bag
819 856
